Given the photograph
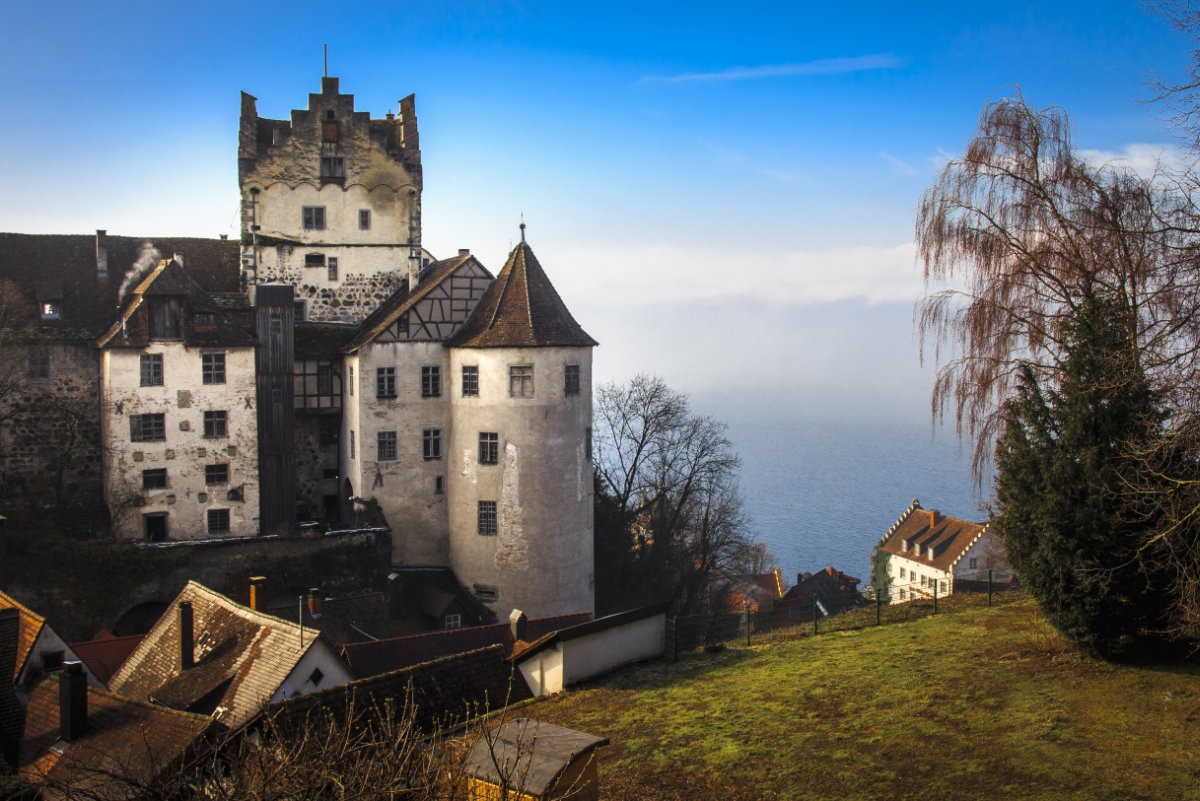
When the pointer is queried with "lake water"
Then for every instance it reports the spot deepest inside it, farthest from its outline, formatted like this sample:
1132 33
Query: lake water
820 490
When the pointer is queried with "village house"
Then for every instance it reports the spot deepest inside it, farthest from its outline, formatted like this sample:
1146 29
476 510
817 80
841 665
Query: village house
926 553
39 650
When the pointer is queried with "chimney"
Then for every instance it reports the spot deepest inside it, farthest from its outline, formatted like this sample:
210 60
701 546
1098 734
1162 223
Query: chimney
518 624
464 251
187 639
101 253
933 518
258 598
72 701
314 603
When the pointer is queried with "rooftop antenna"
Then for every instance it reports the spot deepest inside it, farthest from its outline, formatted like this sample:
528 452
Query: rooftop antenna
326 46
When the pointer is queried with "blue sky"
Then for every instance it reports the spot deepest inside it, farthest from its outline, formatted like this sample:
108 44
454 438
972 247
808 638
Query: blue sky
723 193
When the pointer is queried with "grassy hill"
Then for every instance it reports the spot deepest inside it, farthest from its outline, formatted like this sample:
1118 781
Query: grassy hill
985 703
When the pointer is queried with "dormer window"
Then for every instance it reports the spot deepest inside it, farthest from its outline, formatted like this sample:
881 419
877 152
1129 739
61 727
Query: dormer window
206 320
51 309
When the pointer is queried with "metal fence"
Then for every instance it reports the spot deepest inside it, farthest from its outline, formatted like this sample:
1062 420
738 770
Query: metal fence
813 615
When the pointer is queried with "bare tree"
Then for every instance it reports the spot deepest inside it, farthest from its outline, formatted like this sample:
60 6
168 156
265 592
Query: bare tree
668 508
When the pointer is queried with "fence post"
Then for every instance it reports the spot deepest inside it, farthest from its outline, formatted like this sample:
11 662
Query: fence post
935 586
746 607
878 602
989 588
814 613
675 638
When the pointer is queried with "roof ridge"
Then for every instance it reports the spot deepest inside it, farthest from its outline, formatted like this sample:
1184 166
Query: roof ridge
21 607
269 618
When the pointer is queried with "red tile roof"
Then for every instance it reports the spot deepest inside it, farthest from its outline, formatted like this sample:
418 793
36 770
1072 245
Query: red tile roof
929 537
381 656
521 309
123 737
30 627
104 655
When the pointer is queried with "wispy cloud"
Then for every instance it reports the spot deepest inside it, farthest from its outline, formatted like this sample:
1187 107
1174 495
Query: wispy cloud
825 66
1144 159
900 164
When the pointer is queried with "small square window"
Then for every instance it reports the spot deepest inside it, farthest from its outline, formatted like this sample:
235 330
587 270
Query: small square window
385 382
520 381
216 474
571 379
364 219
154 479
489 447
332 274
470 381
313 218
974 562
206 320
216 425
152 370
212 368
50 309
316 677
218 521
439 485
314 260
147 428
431 443
333 166
453 621
431 382
386 443
487 518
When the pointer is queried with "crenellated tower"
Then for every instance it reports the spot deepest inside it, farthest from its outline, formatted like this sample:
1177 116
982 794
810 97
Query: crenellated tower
331 203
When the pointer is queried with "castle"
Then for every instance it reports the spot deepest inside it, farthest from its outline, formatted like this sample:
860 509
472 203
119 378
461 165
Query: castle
323 368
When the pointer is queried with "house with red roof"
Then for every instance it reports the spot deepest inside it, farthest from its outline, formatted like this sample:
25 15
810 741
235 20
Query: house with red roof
926 552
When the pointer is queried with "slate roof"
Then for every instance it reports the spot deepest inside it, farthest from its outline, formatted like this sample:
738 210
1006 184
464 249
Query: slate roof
242 658
170 279
521 309
444 691
65 265
30 627
381 656
531 753
104 655
941 544
402 299
348 619
835 591
122 736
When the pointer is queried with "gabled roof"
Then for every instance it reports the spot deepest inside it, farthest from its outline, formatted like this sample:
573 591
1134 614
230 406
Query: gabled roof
835 591
443 691
529 753
64 265
930 538
521 309
123 737
170 279
104 655
242 658
567 633
381 656
402 299
31 625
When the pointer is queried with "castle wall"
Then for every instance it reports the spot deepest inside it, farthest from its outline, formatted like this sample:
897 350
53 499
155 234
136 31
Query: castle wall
406 483
184 451
540 559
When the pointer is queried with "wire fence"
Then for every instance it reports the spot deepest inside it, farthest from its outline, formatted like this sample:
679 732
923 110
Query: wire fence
817 615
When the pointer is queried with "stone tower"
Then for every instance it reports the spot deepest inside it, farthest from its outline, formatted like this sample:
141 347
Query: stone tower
331 203
519 463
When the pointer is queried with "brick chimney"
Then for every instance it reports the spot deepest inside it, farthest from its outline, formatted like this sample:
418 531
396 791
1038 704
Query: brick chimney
933 518
72 702
314 603
187 636
258 598
518 624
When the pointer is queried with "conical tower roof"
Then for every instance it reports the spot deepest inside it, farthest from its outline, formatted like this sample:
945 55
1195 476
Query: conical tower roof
521 309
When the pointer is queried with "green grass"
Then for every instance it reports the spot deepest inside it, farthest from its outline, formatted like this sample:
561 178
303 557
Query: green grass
979 703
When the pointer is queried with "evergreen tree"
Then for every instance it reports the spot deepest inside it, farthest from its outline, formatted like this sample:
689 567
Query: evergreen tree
1070 527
